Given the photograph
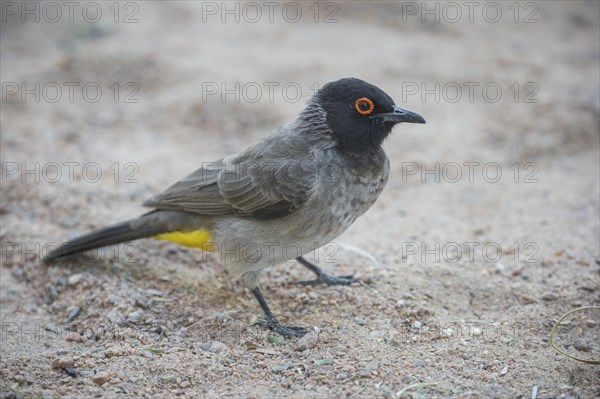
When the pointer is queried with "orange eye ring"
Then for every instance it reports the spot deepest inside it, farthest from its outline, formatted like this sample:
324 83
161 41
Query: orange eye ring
364 106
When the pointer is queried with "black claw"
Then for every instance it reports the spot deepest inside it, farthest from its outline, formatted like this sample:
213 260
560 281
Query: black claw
324 278
271 322
287 331
330 279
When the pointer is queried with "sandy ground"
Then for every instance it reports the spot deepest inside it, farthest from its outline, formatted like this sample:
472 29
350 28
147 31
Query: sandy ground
464 276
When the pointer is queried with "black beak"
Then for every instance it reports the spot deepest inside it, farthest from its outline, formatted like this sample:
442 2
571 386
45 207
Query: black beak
401 115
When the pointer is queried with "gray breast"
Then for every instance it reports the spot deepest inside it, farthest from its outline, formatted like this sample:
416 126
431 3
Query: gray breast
351 187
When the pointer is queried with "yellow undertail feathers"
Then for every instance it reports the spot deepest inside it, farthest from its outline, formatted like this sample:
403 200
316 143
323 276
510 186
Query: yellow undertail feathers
197 239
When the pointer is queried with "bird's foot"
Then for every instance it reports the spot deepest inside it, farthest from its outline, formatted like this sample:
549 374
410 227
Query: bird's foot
330 279
287 331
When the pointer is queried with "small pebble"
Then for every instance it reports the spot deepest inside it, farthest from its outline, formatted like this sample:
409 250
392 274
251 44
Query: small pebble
75 279
370 368
101 377
153 292
267 351
52 328
115 317
408 295
63 362
75 337
114 299
141 301
341 376
185 384
135 316
588 287
229 361
591 323
214 347
360 321
308 341
582 346
549 296
71 372
278 368
73 313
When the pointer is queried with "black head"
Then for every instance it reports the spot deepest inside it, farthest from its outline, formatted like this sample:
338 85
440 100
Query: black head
361 115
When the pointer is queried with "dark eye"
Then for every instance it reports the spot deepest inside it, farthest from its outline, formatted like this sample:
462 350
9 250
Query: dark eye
364 106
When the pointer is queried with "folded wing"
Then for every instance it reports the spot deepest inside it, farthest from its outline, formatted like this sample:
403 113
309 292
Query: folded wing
262 184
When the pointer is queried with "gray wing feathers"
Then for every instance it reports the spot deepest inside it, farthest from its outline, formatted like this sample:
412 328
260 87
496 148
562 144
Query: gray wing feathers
198 193
260 178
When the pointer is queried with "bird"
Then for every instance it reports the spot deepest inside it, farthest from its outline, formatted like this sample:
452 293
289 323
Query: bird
291 193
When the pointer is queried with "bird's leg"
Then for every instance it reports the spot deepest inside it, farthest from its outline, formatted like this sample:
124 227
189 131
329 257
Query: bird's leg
271 321
323 277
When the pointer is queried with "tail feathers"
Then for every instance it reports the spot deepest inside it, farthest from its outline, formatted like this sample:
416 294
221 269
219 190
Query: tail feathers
111 235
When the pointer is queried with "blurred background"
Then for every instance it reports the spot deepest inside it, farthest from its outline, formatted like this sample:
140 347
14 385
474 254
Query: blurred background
104 104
